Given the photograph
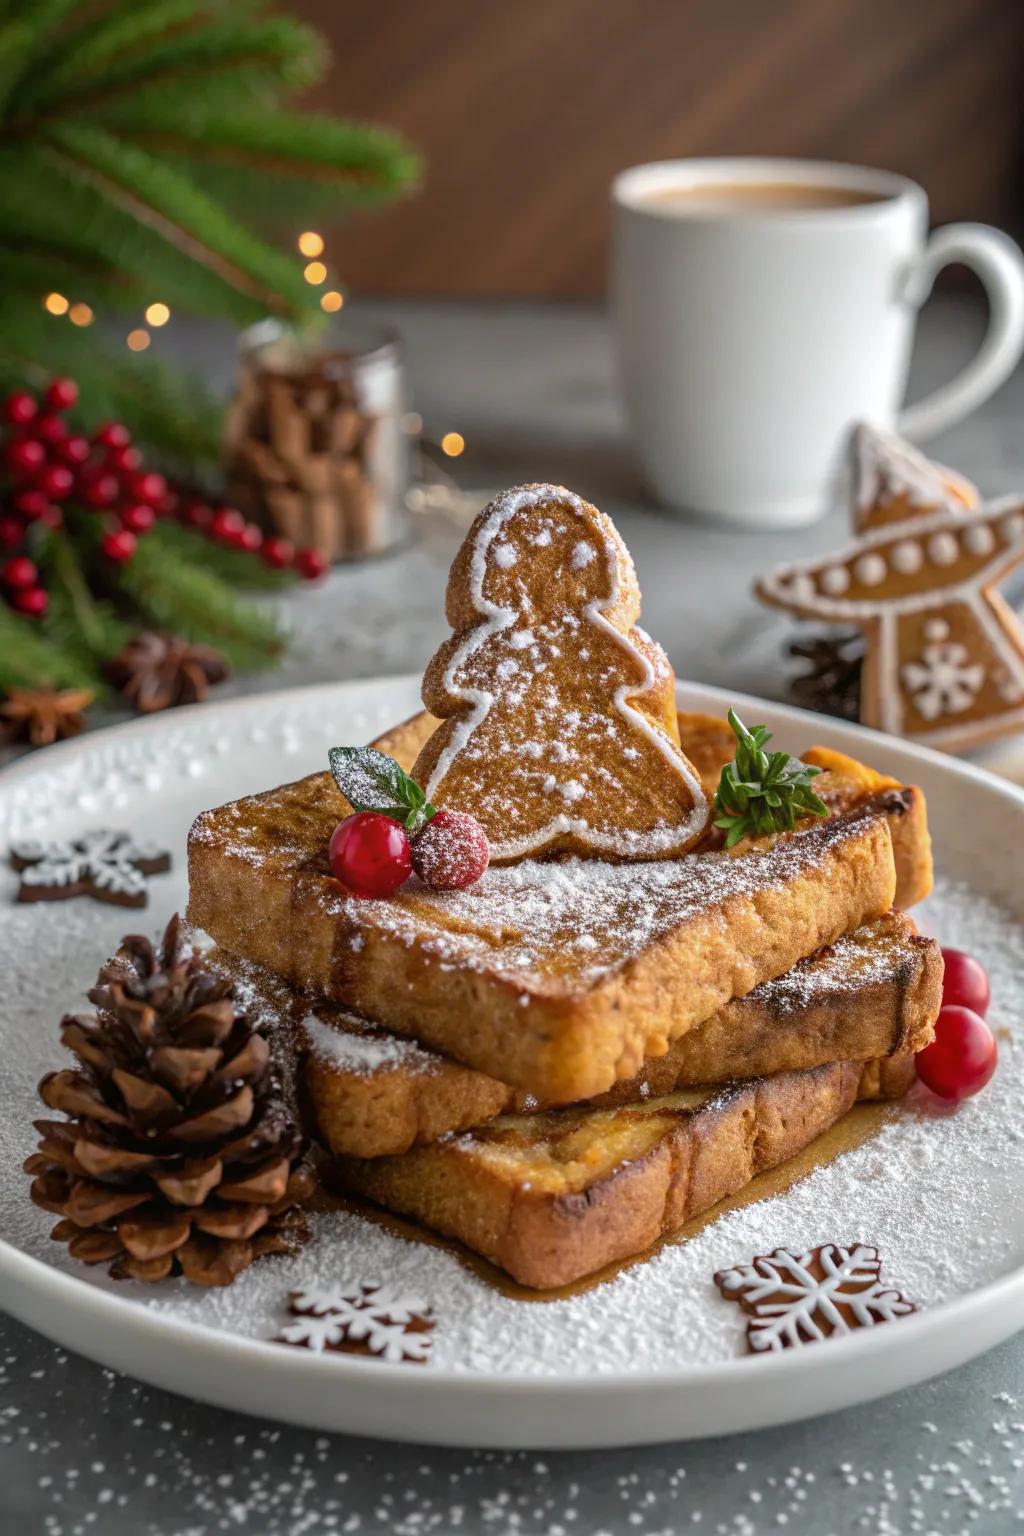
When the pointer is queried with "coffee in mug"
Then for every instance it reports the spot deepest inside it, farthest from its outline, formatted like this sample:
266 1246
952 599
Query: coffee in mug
762 307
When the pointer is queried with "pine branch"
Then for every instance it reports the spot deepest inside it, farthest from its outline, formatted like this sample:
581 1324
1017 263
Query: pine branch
241 571
28 659
45 202
357 161
75 615
172 412
278 50
165 202
25 30
120 30
172 593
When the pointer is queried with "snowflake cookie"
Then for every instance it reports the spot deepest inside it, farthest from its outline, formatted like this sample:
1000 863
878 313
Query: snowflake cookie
378 1320
108 866
800 1298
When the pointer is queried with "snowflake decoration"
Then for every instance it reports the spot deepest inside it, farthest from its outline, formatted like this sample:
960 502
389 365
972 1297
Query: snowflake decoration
944 682
378 1320
793 1299
108 866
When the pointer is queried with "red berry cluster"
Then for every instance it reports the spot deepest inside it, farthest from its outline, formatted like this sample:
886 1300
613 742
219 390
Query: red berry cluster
49 466
226 525
963 1055
372 854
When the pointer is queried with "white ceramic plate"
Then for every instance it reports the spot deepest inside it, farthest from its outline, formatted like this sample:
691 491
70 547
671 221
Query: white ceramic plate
558 1384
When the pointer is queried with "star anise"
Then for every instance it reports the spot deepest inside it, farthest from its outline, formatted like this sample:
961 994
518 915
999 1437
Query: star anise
158 671
41 716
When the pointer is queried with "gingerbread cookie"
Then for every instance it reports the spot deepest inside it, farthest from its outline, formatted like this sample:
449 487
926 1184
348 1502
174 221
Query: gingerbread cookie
559 728
944 654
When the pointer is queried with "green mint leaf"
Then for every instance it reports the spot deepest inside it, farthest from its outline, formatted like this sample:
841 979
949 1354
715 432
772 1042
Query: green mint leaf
372 781
760 792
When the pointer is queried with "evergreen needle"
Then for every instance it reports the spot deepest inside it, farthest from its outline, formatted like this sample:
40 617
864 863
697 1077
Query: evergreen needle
762 792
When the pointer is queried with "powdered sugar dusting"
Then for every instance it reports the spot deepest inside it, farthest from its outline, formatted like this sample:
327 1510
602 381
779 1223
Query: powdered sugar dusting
536 919
931 1191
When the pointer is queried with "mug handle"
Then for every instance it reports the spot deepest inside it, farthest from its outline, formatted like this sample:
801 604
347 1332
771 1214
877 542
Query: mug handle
998 262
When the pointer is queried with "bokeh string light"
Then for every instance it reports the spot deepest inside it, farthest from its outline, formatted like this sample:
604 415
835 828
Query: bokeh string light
310 243
138 340
157 314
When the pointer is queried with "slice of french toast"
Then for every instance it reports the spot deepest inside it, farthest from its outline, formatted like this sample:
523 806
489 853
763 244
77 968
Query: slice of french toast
555 1196
874 994
558 978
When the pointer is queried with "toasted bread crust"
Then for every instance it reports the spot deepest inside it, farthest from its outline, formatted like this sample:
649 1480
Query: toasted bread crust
558 1029
553 1197
370 1094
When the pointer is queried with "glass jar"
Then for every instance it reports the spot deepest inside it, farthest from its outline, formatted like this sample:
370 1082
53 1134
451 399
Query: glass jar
314 449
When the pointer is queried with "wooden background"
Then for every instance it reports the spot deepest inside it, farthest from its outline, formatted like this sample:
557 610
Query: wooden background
524 109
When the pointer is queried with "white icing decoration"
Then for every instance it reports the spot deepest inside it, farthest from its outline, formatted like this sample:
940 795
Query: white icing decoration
572 791
583 553
378 1316
870 569
980 540
836 580
907 557
1013 525
943 548
936 629
944 682
886 468
624 840
505 556
791 1307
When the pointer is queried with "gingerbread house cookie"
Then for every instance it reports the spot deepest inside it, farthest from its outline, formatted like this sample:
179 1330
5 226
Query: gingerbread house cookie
944 654
559 728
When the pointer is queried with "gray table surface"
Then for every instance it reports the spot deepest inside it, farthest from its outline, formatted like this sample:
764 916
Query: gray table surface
83 1450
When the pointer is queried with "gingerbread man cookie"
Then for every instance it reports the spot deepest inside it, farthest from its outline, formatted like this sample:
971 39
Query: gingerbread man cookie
944 654
559 728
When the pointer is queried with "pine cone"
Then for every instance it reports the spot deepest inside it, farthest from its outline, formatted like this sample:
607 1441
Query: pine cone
177 1153
831 685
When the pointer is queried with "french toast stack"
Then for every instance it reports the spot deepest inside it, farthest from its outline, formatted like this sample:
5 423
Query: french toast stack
577 1054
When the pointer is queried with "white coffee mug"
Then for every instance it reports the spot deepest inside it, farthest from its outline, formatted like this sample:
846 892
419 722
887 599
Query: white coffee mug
752 336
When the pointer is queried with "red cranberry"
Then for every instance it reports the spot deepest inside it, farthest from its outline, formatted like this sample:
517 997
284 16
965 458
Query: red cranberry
251 538
138 518
124 461
61 394
33 602
227 525
198 514
20 408
31 505
74 451
25 456
965 981
452 851
100 490
10 532
311 564
278 553
149 487
19 574
118 545
113 434
55 481
961 1058
369 854
50 429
